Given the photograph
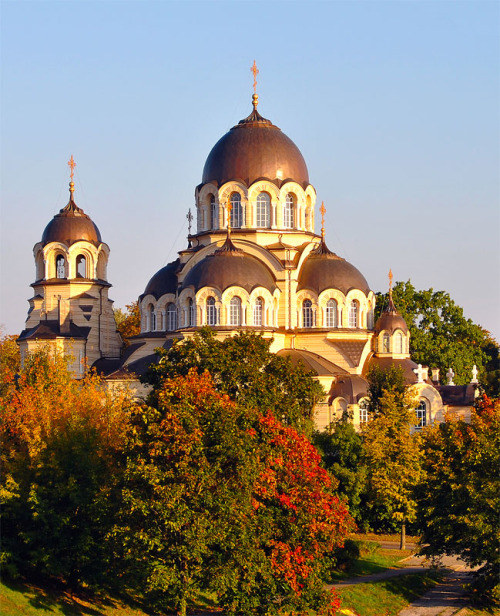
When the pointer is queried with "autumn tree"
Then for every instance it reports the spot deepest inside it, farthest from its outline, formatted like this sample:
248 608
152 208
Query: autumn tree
459 502
392 453
128 322
221 496
441 336
244 368
10 358
59 437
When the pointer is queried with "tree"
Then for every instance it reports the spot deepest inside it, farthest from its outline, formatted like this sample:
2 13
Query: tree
217 495
381 381
441 336
10 359
128 323
342 453
244 368
393 457
59 437
459 500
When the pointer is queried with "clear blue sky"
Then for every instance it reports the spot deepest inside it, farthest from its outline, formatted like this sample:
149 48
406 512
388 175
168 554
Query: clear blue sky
394 105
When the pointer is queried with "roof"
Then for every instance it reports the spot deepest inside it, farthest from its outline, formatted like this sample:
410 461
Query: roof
351 387
325 270
385 363
255 149
457 395
312 361
49 330
164 281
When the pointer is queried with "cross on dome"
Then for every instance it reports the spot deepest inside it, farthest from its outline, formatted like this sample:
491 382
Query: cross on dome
71 165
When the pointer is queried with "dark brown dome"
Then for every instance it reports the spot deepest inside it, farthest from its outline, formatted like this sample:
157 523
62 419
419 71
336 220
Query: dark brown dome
385 363
229 267
390 320
164 281
71 225
351 387
252 150
325 270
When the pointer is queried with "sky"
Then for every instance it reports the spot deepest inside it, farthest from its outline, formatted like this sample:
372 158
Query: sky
393 104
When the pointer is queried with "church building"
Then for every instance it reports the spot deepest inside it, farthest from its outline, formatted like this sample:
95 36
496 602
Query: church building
254 263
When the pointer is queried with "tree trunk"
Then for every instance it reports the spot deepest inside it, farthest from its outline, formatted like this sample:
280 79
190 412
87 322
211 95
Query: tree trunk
183 606
402 545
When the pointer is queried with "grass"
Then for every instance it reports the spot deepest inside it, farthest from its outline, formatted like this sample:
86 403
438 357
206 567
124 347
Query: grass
387 597
386 537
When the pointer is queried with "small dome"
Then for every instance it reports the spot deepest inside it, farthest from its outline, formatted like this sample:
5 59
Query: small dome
351 387
228 266
164 281
255 149
390 320
385 363
71 225
325 270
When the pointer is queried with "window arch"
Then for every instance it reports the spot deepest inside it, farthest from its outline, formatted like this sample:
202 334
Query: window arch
386 343
263 210
353 313
213 213
171 317
235 311
152 318
307 313
258 312
398 342
331 313
289 212
81 266
236 213
421 412
60 267
211 311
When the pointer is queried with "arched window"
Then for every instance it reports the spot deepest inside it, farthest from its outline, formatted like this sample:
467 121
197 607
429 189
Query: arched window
60 267
235 311
81 267
213 213
258 311
236 214
289 212
263 210
331 313
421 412
171 317
398 342
307 313
363 411
211 311
353 314
386 343
152 318
191 313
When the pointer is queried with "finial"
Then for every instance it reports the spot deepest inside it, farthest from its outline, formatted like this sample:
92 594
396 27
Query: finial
71 165
189 217
229 207
322 209
390 284
255 97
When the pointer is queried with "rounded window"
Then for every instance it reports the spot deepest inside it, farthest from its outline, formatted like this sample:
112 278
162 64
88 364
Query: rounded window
289 212
263 213
307 313
236 212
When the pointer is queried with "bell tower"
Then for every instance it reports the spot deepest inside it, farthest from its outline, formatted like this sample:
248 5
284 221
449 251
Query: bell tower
70 309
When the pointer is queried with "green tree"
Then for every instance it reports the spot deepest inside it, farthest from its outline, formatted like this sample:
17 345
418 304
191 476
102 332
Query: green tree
394 459
441 336
381 381
459 501
244 368
10 359
342 452
59 439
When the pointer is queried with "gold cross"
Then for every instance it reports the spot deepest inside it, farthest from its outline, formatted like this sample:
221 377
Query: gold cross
322 209
390 279
189 216
71 165
255 72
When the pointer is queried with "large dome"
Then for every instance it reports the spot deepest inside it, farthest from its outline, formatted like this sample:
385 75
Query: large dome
228 266
164 281
252 150
71 225
325 270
